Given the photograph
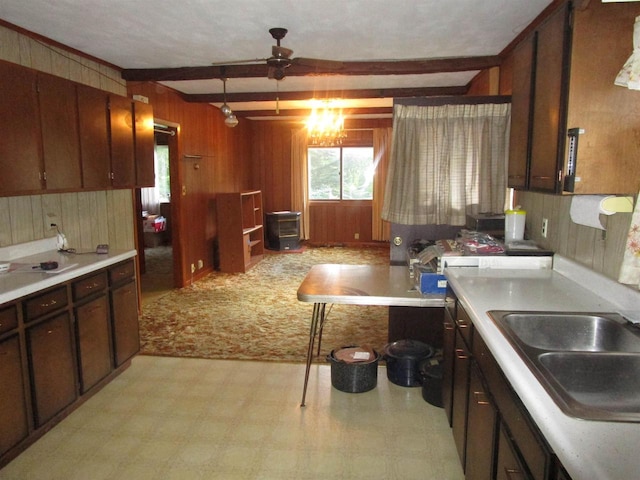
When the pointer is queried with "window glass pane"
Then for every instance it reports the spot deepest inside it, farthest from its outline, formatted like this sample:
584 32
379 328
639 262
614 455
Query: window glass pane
161 163
357 175
324 173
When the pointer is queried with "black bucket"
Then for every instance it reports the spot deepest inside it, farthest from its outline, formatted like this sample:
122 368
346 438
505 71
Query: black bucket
403 360
356 377
431 375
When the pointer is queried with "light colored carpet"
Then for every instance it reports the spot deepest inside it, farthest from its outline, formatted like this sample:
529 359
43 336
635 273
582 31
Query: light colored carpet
257 316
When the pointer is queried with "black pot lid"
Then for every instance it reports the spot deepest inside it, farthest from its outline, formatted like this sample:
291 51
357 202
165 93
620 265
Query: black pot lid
410 349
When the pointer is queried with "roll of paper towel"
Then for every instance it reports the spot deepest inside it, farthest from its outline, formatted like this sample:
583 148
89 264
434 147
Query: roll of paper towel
586 209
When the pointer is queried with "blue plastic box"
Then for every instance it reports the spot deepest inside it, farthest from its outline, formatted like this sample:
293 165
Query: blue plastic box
428 281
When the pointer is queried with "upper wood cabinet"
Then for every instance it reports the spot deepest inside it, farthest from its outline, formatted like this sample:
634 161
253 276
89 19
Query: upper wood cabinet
59 126
521 110
572 60
94 137
123 171
144 144
63 136
20 157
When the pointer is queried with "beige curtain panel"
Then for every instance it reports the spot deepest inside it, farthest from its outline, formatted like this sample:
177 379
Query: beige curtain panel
447 161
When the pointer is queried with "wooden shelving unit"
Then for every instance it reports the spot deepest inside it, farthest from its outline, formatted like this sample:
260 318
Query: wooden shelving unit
240 230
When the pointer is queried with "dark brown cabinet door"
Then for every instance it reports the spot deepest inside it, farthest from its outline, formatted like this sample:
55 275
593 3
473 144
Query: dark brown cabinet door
521 103
123 172
549 111
20 155
481 427
60 141
124 311
94 350
460 395
144 145
14 424
93 113
508 466
52 367
448 353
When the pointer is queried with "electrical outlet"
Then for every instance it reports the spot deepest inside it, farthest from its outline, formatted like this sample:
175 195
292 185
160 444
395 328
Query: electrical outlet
200 264
545 227
356 236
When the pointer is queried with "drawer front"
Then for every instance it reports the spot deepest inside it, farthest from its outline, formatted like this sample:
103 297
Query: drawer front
8 318
88 286
121 272
46 303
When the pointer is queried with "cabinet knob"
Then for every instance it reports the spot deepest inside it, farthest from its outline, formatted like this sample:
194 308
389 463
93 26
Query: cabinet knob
50 304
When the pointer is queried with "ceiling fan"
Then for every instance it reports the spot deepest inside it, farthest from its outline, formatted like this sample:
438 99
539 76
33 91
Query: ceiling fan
280 58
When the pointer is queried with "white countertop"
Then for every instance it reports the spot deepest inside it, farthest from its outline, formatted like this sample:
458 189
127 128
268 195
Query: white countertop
587 449
18 283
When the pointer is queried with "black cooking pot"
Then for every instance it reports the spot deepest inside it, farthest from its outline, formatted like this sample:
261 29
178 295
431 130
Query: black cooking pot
430 371
355 377
403 361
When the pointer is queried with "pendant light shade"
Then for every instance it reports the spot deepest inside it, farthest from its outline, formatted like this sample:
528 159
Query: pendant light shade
231 120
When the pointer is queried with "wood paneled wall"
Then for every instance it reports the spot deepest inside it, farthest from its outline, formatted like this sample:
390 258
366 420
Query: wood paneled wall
212 158
331 222
86 218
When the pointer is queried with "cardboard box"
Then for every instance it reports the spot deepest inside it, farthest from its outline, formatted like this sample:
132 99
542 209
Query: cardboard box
428 281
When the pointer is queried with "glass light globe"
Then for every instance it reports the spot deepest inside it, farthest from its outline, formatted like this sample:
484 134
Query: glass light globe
226 110
231 121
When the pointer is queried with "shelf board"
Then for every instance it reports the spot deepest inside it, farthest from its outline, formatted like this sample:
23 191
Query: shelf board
245 231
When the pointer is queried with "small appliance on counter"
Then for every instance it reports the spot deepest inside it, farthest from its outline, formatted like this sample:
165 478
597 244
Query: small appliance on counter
491 223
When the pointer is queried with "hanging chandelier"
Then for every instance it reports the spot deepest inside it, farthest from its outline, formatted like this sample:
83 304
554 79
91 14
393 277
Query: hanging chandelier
325 126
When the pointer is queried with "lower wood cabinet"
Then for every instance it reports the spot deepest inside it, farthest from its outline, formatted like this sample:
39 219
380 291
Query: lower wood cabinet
126 337
460 396
508 466
94 341
51 367
482 418
14 423
493 432
58 346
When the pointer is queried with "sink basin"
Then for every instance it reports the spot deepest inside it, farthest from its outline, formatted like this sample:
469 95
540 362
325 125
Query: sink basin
572 332
596 386
589 363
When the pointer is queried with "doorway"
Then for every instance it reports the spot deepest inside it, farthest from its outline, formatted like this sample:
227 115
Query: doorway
158 234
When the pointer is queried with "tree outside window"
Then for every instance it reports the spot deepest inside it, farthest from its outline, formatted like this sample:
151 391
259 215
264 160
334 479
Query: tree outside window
340 173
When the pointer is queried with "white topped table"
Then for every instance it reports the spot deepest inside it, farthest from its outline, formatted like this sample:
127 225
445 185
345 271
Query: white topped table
357 285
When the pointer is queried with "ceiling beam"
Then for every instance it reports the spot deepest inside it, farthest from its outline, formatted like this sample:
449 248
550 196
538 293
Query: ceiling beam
329 94
305 112
390 67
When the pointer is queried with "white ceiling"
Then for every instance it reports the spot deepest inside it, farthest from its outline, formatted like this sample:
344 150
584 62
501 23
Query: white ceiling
177 33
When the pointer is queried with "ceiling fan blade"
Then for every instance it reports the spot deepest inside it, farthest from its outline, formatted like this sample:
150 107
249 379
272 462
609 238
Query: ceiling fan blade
318 63
240 62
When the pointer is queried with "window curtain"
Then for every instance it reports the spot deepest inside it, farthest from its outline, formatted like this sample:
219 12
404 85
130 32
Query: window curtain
299 184
381 150
150 200
447 161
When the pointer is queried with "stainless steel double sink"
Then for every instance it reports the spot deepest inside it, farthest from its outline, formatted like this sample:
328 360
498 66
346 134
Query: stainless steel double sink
588 362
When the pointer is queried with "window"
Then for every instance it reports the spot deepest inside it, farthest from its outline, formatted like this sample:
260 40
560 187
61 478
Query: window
161 164
340 173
